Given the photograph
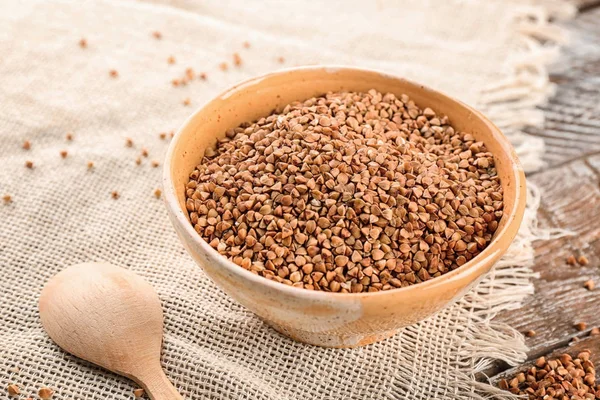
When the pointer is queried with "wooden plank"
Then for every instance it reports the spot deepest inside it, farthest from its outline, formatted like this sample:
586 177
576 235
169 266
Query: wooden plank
571 200
572 128
594 163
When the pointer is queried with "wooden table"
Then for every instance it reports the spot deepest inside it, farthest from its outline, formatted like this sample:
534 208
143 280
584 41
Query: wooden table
571 199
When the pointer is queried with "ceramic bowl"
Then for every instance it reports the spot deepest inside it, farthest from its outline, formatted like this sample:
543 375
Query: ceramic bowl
315 317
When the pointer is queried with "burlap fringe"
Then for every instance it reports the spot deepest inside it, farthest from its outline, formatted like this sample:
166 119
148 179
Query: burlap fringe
511 104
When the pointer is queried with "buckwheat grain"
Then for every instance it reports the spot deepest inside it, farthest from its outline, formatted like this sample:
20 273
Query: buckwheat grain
347 192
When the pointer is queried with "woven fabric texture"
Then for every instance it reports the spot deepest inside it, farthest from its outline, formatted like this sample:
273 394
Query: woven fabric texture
488 54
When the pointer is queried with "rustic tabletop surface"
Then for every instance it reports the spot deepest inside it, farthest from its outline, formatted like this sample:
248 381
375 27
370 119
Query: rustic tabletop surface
571 199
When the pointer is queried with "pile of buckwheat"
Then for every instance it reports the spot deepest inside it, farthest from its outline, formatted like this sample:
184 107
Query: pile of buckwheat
561 378
348 192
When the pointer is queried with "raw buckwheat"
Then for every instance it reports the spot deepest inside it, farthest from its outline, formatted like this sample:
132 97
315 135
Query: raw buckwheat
13 390
561 378
348 192
45 393
237 60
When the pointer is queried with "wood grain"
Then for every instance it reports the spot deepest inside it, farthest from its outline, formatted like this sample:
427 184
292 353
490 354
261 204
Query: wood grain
572 129
584 5
571 201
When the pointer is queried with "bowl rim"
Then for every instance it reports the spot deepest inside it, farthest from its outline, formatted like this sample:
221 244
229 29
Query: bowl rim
490 254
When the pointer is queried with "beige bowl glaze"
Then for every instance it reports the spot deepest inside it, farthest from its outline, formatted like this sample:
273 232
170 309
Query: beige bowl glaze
321 318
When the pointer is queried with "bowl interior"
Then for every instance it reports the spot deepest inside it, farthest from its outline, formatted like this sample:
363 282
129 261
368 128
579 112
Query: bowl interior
258 97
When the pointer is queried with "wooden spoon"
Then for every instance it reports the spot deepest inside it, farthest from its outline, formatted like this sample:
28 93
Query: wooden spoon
111 317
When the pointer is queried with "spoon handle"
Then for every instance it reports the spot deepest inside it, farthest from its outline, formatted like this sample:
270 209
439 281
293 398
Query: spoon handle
158 386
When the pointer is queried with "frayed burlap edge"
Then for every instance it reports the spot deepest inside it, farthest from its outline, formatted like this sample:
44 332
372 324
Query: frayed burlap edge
511 104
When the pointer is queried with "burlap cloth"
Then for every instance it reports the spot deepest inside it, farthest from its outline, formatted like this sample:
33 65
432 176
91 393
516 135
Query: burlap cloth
490 54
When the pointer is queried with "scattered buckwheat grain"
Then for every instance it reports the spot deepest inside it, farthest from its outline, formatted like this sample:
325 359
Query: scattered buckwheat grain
138 161
530 333
7 198
582 260
189 73
203 76
26 145
589 285
144 152
139 392
154 163
113 73
571 260
187 101
162 135
157 35
45 393
171 134
90 164
29 164
83 43
348 192
171 60
280 60
64 153
561 378
128 142
580 326
237 60
13 390
157 193
595 331
114 194
69 136
223 66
